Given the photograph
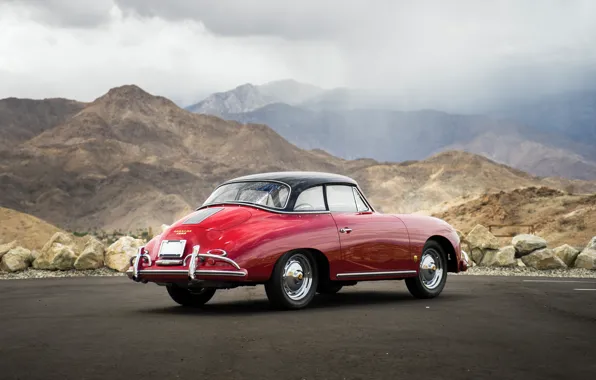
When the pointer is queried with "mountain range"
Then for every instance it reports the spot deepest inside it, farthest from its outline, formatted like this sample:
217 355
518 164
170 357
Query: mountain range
130 159
554 136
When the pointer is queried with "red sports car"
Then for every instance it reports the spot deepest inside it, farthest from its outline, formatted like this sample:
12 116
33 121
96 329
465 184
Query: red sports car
298 233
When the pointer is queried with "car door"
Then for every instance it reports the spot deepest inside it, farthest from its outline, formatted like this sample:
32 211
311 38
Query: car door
370 242
359 251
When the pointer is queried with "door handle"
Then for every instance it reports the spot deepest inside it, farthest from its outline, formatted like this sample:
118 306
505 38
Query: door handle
345 230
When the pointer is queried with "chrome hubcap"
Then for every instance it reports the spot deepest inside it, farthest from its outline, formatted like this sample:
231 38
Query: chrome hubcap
297 277
431 269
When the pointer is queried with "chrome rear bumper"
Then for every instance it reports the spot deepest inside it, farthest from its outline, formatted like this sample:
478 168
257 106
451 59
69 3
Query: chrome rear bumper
192 273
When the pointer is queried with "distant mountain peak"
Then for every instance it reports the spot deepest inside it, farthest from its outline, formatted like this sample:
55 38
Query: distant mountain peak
249 97
128 91
131 96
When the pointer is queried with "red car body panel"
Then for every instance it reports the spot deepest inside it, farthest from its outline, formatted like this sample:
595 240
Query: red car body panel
255 238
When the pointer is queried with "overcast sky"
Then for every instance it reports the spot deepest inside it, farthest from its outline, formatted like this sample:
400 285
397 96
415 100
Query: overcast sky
434 51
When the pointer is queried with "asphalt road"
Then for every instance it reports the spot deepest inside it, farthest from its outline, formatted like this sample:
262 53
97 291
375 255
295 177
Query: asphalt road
480 327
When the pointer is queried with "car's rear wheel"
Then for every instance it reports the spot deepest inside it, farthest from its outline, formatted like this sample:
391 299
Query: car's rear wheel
329 287
195 297
294 280
432 274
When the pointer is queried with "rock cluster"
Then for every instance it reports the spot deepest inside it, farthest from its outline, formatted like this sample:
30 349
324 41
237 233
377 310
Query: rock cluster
67 252
525 251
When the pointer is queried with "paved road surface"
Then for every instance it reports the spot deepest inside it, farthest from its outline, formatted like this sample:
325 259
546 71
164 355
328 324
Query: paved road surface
480 327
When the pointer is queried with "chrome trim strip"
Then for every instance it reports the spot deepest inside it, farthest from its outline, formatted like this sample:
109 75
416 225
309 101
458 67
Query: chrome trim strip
203 272
255 180
163 271
207 272
220 258
266 208
166 262
366 274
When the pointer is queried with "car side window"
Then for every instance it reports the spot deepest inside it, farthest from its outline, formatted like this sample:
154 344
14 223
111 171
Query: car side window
360 204
310 200
341 198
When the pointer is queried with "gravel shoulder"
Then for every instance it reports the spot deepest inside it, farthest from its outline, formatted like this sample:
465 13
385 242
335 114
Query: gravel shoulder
39 273
527 272
474 271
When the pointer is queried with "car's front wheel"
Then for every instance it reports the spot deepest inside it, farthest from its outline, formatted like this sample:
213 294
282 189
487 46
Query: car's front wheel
294 280
195 297
432 273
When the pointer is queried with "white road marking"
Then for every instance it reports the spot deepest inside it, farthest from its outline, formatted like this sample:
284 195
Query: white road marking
584 289
562 281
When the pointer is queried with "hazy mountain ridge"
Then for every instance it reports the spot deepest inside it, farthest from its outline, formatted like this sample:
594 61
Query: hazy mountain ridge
249 97
339 122
132 160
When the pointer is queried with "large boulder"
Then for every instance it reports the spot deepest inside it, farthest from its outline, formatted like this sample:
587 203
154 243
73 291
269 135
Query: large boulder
566 253
543 259
504 257
118 255
56 245
480 240
64 257
525 244
480 237
92 256
592 243
15 260
4 248
587 258
64 251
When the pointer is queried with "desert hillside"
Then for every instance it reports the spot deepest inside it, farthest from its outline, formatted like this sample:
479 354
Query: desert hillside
22 119
29 232
131 160
558 216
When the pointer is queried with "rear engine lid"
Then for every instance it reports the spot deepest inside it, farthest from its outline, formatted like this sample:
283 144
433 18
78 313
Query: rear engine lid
219 218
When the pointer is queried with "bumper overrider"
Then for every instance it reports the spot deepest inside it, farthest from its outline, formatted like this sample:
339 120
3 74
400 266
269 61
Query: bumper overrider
465 260
144 269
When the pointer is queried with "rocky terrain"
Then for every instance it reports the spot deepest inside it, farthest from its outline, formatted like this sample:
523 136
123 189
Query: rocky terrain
525 250
64 252
558 216
132 160
67 255
25 230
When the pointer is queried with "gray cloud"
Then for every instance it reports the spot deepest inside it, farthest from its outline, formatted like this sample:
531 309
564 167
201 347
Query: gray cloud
69 13
286 19
457 53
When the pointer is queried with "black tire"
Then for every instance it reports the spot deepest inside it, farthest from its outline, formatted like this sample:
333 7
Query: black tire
190 298
295 290
426 284
329 287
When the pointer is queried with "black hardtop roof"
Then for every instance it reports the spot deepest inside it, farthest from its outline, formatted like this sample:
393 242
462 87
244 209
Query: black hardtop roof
300 179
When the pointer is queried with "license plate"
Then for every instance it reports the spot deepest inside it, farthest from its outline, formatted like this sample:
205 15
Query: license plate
172 248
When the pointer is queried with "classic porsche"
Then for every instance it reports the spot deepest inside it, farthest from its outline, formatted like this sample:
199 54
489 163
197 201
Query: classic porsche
298 234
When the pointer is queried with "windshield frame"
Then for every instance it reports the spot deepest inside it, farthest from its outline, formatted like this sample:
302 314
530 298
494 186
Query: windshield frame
285 205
